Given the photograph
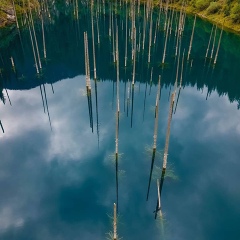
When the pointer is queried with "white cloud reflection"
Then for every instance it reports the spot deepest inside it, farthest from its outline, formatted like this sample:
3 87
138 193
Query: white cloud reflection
203 145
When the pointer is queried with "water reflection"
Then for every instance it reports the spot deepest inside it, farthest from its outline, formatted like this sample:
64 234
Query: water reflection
61 182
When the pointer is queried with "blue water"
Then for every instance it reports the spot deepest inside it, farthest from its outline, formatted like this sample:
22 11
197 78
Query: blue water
57 177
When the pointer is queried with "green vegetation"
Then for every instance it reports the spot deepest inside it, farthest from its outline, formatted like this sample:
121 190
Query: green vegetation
7 14
217 11
213 8
235 12
201 4
226 12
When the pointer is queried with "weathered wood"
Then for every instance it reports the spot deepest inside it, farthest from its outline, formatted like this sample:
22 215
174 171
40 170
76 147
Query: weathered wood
168 131
114 221
190 46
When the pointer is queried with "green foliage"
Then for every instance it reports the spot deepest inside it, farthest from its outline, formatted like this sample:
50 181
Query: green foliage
202 4
236 8
214 7
226 9
235 13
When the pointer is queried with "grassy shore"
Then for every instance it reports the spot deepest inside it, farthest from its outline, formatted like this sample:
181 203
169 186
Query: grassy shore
222 12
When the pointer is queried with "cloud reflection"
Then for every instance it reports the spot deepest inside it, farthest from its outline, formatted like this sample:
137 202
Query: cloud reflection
58 185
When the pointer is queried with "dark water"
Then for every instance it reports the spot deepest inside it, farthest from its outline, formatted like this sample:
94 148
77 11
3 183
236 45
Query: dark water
57 177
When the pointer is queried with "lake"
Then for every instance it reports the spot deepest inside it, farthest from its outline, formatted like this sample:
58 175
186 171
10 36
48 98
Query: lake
59 174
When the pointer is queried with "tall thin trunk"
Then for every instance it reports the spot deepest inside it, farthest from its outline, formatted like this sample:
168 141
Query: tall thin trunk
190 46
168 131
209 42
154 135
219 42
35 39
115 222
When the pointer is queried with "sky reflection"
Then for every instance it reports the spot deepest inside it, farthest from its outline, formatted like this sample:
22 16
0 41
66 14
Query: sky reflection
58 180
57 184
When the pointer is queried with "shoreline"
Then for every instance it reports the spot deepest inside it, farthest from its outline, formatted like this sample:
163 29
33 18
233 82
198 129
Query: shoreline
217 19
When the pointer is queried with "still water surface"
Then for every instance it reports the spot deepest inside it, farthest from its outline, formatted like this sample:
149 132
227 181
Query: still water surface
57 174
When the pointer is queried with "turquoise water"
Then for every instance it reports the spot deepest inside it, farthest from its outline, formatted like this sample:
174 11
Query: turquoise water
57 174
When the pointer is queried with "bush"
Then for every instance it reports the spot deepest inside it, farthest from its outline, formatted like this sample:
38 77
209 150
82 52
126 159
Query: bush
236 8
202 4
226 10
235 13
214 7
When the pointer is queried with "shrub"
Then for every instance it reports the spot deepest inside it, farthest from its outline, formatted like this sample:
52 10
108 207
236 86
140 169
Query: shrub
214 7
235 13
236 8
202 4
226 10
